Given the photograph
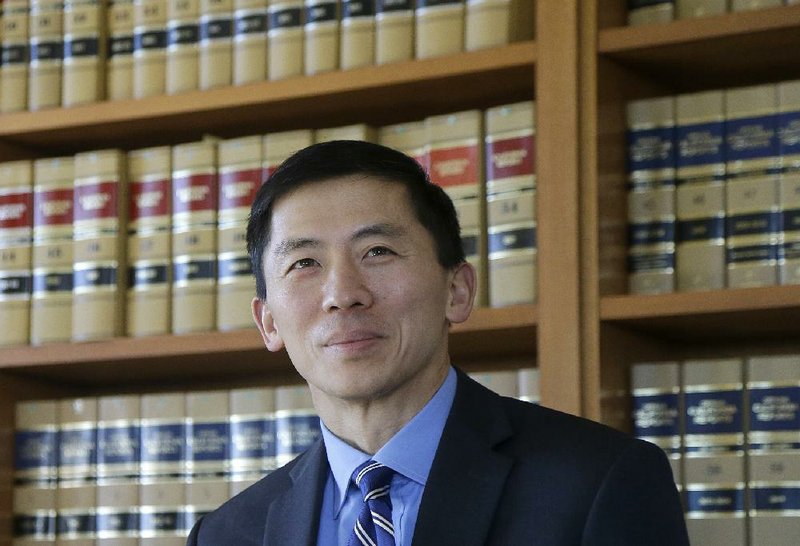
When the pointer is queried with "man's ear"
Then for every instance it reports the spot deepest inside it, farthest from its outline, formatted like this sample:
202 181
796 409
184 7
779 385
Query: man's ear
462 293
266 325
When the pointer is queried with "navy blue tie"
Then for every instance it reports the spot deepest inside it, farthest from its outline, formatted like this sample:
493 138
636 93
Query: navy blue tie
373 526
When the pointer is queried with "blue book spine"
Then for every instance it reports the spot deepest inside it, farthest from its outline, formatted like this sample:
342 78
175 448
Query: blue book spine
789 143
295 431
714 451
651 195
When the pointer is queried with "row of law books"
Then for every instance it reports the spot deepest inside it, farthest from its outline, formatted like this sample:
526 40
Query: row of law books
642 12
731 428
82 51
152 241
140 469
714 189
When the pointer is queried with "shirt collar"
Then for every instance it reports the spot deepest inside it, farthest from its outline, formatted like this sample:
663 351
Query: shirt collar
409 452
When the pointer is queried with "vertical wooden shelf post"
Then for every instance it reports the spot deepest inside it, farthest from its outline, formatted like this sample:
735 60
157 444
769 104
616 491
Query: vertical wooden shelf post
568 302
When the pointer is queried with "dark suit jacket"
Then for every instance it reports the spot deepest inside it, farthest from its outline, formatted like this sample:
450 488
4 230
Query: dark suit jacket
505 473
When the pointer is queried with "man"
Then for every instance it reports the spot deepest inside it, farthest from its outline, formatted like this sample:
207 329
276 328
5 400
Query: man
359 273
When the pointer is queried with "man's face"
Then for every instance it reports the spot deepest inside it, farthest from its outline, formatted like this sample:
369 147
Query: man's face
355 292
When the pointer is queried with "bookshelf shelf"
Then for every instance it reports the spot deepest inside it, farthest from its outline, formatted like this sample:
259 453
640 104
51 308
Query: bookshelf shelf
214 357
767 312
731 49
374 94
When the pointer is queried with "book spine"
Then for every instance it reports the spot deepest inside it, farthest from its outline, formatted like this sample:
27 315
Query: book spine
53 206
149 48
216 43
14 47
714 452
296 423
183 38
16 228
687 9
394 31
773 440
279 146
207 453
285 36
35 471
239 179
700 198
119 63
194 229
749 5
410 138
456 164
643 12
101 206
511 204
118 456
529 385
84 52
321 49
250 25
789 137
658 409
439 28
162 498
357 131
504 383
753 167
357 40
77 470
46 32
651 196
149 242
487 24
252 422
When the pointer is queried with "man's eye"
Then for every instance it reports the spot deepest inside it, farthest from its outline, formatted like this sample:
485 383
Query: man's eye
302 264
379 251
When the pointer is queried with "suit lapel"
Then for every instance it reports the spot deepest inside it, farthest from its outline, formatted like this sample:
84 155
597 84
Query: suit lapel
293 518
467 476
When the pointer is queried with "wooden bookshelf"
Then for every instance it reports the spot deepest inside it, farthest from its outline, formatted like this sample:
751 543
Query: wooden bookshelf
375 94
767 312
214 358
732 49
652 60
586 331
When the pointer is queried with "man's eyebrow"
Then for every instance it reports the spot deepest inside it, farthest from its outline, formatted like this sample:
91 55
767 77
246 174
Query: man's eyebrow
381 229
290 245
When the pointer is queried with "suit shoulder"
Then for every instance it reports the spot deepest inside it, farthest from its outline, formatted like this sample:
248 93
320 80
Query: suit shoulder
555 429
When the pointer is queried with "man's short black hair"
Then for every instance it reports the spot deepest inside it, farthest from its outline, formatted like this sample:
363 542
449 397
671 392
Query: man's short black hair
328 160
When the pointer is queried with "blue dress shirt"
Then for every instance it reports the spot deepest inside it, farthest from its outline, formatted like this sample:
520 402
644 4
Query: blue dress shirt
409 453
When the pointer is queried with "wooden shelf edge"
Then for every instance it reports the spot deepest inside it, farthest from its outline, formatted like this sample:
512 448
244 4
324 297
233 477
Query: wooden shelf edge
631 307
215 344
18 126
632 38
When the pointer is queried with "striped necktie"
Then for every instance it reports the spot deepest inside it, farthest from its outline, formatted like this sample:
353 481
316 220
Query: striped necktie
373 526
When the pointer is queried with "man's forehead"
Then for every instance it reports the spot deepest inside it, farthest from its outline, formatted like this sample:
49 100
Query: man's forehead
302 216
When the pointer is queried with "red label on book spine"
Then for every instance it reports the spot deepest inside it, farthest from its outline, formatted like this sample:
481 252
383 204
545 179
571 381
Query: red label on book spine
238 189
194 193
510 157
149 199
455 166
96 201
15 210
53 207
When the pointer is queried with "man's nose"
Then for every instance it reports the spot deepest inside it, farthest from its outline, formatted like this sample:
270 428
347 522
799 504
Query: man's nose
346 287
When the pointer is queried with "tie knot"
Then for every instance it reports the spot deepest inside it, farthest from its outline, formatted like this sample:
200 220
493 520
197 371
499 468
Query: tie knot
372 479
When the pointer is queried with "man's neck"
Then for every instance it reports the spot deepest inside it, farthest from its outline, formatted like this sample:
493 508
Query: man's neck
368 425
